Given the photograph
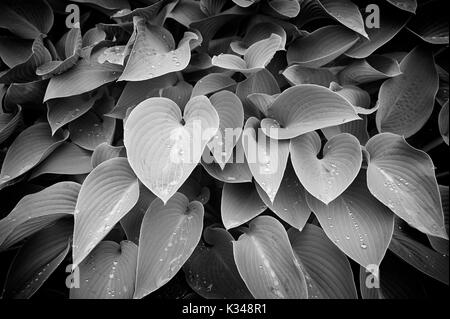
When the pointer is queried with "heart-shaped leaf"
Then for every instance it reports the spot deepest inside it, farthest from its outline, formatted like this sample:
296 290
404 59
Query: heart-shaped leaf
154 52
107 194
406 101
373 68
321 46
108 272
266 157
36 211
403 179
240 203
27 19
356 222
162 151
231 118
266 261
305 108
221 278
328 177
169 235
68 159
29 148
290 203
37 259
256 57
328 267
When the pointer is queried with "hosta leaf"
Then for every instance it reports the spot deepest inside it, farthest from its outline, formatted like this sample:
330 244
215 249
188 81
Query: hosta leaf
131 222
136 92
328 177
107 194
266 157
256 33
356 128
169 235
37 259
231 118
221 278
73 43
38 210
282 8
391 22
9 122
162 151
179 93
346 12
373 68
328 267
240 203
359 98
68 159
65 110
256 57
290 203
439 244
87 75
262 101
407 5
14 51
212 83
26 93
296 74
25 71
154 52
305 108
443 122
356 222
266 262
430 23
321 46
108 272
403 179
107 4
419 256
406 101
245 3
148 12
29 148
104 152
27 19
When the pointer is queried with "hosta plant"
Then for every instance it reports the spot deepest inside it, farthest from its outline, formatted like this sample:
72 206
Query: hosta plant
223 149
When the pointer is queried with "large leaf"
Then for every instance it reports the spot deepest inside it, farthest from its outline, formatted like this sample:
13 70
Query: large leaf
169 235
107 194
256 57
27 19
430 23
108 272
231 118
406 101
356 222
28 149
356 128
346 12
296 74
154 52
305 108
321 46
162 151
37 259
266 157
25 70
403 179
391 22
36 211
418 255
328 267
256 33
220 279
266 261
443 122
328 177
373 68
68 159
240 203
290 203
